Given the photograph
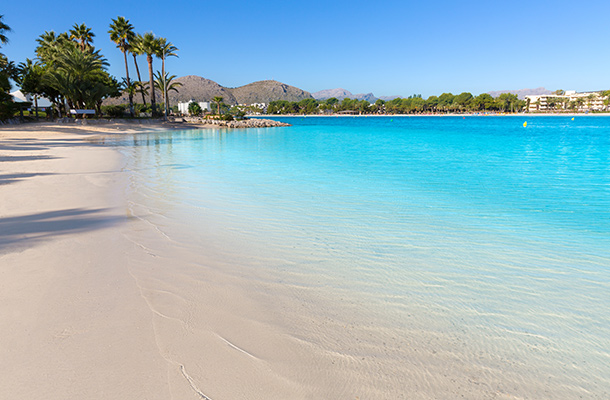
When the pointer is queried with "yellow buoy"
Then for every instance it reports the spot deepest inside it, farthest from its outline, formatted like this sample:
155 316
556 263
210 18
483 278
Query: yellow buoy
572 118
525 124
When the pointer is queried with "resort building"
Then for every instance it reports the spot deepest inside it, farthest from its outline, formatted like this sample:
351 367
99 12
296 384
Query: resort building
570 100
183 108
19 97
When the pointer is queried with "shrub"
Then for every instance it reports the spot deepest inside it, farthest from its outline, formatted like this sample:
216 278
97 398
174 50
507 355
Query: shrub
194 108
141 108
7 107
114 111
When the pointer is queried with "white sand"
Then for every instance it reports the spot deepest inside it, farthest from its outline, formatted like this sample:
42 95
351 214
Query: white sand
89 312
74 325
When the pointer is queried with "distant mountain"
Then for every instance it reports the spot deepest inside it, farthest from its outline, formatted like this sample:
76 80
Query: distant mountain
329 93
267 91
343 94
388 98
201 89
365 96
521 93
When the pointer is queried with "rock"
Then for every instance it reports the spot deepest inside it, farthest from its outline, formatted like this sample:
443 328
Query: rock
246 123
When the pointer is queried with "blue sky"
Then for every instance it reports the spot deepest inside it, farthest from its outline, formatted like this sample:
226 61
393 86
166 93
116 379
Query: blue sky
384 47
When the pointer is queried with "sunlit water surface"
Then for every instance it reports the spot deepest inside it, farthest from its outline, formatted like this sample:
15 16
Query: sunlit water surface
491 235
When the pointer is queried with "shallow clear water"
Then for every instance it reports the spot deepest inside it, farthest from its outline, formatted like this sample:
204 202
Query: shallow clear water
476 228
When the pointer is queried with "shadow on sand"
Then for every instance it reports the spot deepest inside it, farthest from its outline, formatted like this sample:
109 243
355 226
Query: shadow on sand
20 232
5 179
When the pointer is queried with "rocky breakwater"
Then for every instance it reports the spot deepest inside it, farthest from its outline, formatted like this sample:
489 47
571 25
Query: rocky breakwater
246 123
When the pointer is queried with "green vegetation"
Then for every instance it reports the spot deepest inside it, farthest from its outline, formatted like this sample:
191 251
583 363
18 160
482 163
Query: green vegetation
72 74
149 45
194 108
445 103
166 84
218 101
166 49
72 71
29 78
121 33
7 71
117 111
136 50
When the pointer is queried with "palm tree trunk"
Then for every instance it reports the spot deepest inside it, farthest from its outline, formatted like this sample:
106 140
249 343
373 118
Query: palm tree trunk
135 61
153 100
128 84
164 87
36 106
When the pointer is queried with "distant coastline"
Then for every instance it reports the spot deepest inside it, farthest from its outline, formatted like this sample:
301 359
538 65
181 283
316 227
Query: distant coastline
432 115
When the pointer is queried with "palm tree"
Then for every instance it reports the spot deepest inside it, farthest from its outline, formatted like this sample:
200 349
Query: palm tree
80 77
50 45
165 85
166 49
83 36
194 108
217 100
121 33
30 80
150 46
135 49
4 28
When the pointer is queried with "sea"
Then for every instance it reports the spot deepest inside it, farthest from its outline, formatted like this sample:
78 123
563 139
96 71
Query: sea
474 252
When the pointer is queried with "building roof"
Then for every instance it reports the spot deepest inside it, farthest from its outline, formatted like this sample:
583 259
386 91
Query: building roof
19 97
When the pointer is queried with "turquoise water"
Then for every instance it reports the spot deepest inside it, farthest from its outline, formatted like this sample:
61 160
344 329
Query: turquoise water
478 230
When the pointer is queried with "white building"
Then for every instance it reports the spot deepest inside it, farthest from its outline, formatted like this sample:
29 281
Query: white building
570 100
19 97
183 108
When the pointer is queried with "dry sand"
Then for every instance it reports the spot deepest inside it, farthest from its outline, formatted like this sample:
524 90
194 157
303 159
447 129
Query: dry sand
74 324
89 306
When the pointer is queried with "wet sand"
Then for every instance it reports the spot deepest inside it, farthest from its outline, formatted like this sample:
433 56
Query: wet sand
89 305
98 302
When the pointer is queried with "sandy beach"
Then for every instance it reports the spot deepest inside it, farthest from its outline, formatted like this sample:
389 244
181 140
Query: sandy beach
103 295
90 308
74 325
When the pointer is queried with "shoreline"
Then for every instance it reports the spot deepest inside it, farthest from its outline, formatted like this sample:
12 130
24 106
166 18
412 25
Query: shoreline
73 323
107 291
429 115
102 298
89 306
76 322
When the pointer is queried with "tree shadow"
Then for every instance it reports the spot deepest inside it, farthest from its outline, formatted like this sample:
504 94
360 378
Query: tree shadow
5 179
45 144
22 146
25 158
20 232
